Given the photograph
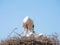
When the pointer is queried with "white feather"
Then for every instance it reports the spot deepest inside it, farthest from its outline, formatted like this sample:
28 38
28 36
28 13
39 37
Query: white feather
26 19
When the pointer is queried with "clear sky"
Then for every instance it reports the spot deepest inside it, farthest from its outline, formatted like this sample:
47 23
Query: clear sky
44 13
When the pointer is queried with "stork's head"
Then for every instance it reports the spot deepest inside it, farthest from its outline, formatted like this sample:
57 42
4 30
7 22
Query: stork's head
25 19
28 22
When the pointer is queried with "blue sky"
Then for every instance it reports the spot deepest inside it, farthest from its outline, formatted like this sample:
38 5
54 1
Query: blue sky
44 13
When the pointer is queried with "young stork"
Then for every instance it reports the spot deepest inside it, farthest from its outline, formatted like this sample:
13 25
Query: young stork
28 25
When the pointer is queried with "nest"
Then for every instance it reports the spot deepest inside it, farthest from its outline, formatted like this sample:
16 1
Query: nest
31 40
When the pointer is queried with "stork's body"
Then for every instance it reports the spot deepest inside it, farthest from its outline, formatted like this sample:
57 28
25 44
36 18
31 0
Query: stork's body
28 25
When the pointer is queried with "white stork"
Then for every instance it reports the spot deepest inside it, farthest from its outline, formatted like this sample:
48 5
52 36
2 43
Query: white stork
28 25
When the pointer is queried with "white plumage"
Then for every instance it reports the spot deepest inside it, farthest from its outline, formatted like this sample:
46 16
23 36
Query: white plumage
26 19
28 25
